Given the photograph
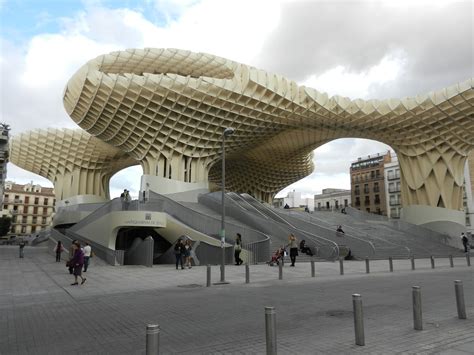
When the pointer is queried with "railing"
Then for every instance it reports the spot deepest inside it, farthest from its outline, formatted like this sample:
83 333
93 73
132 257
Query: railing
207 224
279 231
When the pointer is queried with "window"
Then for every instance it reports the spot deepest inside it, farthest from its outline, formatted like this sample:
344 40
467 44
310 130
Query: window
46 201
35 210
24 219
366 188
327 205
36 200
23 229
5 207
43 221
27 199
367 200
357 201
372 174
357 191
377 174
377 199
376 187
35 219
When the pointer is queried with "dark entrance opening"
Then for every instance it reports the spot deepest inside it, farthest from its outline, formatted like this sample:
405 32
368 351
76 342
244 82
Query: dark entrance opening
127 235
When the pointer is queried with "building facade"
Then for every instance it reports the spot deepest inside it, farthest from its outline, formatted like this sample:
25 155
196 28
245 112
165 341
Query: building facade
30 206
294 200
4 136
393 194
367 183
332 200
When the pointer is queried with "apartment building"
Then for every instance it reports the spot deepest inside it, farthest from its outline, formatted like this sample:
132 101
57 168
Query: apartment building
30 206
332 199
367 183
393 189
4 136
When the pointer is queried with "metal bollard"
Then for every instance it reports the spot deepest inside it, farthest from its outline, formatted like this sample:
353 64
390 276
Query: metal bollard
367 266
413 262
313 270
468 259
390 263
417 314
280 271
152 339
208 278
247 273
358 319
432 262
458 288
341 266
451 263
270 330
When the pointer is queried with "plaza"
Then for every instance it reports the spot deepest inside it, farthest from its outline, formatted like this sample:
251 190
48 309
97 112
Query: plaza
42 314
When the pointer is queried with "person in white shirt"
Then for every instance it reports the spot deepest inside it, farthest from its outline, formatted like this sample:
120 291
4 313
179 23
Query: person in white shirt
87 255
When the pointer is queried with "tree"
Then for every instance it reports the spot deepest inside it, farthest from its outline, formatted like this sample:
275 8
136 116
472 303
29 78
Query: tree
5 223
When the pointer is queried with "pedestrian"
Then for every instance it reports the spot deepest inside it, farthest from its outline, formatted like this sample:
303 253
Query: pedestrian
465 242
77 263
238 249
179 252
188 247
128 199
339 230
71 255
123 199
293 245
22 248
58 249
87 255
305 249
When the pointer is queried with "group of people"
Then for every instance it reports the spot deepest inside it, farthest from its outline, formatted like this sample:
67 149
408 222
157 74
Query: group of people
79 259
182 251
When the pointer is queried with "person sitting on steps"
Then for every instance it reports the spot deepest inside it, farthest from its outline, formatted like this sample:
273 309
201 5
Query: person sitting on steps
305 249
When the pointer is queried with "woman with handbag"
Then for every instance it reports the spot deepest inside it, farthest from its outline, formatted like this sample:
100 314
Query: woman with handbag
238 249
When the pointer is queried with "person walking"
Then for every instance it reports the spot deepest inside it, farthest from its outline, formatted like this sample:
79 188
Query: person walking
465 242
179 252
22 248
71 255
293 245
58 249
77 263
87 255
238 249
188 247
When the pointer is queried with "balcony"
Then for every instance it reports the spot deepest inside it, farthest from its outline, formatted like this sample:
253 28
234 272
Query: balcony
366 191
394 203
393 177
394 189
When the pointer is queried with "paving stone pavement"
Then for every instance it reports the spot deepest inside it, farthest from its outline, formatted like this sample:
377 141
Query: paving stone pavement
40 313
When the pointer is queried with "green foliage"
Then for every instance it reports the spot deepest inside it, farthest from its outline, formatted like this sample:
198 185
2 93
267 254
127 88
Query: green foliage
5 223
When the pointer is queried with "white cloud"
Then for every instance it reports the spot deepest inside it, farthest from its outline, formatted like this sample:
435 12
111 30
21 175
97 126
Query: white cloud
343 82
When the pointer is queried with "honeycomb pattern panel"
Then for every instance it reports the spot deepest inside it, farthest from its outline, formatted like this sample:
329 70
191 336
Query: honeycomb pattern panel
76 162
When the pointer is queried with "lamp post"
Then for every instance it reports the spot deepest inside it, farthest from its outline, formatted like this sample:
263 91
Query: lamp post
227 133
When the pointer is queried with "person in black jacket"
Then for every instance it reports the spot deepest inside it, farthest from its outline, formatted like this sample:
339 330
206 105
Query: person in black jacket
179 252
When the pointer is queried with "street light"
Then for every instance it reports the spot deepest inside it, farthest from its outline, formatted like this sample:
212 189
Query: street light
227 133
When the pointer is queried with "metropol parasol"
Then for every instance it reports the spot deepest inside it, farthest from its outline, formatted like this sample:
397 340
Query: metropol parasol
166 109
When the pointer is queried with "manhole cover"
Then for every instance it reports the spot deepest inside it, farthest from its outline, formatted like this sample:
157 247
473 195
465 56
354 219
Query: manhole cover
190 286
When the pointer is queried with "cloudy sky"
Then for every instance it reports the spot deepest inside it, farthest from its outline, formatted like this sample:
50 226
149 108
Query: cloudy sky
360 49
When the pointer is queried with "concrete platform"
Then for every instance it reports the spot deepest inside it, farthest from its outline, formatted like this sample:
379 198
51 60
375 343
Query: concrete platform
40 313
